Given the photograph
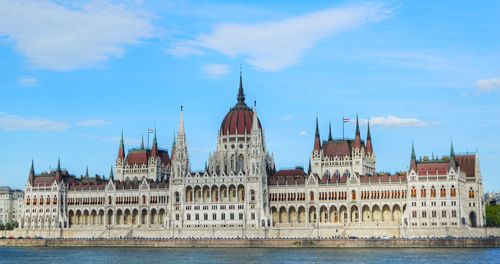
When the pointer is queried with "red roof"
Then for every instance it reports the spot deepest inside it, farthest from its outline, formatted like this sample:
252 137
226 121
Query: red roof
238 121
141 156
467 164
288 177
432 168
337 148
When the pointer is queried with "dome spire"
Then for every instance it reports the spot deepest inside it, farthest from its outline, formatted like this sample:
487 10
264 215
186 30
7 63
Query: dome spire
241 93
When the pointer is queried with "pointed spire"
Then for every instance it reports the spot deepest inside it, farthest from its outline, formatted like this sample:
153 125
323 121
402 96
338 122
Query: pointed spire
413 161
142 141
111 174
87 172
357 125
368 134
58 171
241 93
31 177
330 138
32 169
413 156
369 146
154 148
357 138
181 123
255 120
453 162
121 149
452 151
309 168
317 139
317 127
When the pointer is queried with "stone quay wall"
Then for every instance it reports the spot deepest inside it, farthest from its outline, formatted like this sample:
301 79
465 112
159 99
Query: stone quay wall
258 243
273 233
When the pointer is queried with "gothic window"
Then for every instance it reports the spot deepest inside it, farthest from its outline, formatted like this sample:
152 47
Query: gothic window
433 192
177 198
252 195
423 192
471 193
453 192
241 163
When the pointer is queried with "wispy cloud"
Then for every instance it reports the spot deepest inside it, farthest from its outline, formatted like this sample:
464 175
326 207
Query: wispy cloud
184 49
27 82
286 118
14 122
302 133
58 37
215 70
276 45
488 85
93 123
395 121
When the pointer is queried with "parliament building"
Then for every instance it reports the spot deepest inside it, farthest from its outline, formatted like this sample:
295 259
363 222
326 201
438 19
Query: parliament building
152 193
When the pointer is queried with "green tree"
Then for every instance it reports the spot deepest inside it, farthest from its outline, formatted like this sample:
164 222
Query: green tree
493 215
2 226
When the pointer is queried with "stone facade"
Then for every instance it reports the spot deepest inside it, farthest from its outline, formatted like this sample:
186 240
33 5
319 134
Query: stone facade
151 193
11 205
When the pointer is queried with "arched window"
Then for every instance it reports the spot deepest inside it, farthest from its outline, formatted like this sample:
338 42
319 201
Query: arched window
177 197
453 192
241 164
232 165
252 195
443 192
433 192
311 196
353 194
423 192
471 193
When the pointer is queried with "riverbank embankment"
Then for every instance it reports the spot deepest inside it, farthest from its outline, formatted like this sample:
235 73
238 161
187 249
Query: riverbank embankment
259 243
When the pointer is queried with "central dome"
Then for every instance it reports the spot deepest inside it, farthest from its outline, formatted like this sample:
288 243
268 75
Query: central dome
238 120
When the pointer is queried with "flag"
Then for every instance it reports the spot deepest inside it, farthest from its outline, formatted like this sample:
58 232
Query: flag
150 130
346 119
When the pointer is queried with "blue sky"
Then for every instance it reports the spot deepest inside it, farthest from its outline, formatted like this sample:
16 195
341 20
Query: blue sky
73 73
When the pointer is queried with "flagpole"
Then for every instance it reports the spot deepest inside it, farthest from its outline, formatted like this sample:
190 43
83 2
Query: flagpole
148 139
343 124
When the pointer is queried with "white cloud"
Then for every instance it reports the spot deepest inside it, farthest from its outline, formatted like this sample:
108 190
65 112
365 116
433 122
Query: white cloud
275 45
215 70
93 123
303 133
286 118
13 123
394 121
58 37
488 85
27 82
184 49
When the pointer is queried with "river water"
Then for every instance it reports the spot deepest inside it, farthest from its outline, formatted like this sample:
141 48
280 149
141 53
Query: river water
245 255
